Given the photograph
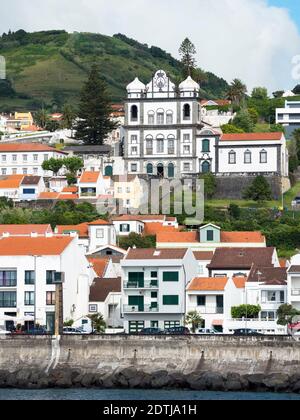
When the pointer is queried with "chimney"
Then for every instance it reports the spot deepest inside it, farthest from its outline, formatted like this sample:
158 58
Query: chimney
34 234
49 235
6 235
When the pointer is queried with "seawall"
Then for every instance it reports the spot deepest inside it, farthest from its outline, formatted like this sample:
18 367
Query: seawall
198 362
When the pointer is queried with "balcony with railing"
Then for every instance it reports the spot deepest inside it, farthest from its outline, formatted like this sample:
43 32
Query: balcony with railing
210 310
146 284
139 309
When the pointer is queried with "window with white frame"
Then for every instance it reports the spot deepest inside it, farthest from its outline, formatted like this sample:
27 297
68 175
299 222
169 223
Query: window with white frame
273 296
247 157
14 158
93 308
186 167
128 190
25 158
3 171
14 171
35 157
35 170
134 139
119 190
160 145
100 233
46 157
186 138
186 150
151 117
3 158
263 156
232 157
25 171
169 117
134 150
134 167
160 117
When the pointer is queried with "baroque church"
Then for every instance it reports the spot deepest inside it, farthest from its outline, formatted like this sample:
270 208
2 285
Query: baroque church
164 136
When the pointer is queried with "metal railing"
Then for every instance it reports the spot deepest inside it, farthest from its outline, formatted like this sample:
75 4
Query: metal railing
211 310
144 308
146 284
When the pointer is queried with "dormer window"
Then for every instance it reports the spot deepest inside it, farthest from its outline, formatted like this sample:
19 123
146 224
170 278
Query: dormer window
210 235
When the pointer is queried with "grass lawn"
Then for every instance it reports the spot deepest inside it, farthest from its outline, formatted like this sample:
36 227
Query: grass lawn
291 194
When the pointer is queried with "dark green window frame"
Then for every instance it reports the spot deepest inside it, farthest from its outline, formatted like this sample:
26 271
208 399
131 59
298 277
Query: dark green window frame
171 300
171 276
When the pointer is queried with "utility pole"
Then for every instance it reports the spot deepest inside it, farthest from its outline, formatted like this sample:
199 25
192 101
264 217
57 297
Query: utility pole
58 309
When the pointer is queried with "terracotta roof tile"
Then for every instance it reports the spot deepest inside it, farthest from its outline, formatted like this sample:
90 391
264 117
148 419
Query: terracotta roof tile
89 177
153 228
99 222
81 229
68 197
71 189
155 254
251 136
203 255
101 288
48 196
208 284
241 258
239 282
19 245
177 237
242 237
11 181
99 265
25 229
27 147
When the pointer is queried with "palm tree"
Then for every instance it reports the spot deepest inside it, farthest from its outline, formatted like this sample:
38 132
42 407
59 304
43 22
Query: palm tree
98 322
194 319
41 118
237 91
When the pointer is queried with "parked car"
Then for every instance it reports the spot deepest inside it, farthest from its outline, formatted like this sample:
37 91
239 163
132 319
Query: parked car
36 331
151 331
4 332
72 330
247 332
207 331
178 331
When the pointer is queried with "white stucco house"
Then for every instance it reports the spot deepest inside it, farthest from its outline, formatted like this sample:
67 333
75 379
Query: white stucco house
28 267
153 287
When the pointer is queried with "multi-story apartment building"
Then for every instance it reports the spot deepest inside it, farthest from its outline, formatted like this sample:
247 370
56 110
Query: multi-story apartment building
153 287
289 116
26 158
28 267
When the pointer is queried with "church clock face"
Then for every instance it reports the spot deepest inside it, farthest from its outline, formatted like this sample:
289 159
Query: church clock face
160 80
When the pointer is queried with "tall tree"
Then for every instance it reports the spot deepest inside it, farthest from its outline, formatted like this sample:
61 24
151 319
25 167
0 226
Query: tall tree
187 52
237 91
41 118
94 121
68 117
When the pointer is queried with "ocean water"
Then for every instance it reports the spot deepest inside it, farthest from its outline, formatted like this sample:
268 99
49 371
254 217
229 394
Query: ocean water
139 395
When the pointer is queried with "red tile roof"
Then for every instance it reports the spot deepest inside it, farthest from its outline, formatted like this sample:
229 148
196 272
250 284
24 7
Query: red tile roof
177 237
155 254
48 196
68 197
203 255
81 229
99 265
25 229
208 284
239 282
251 136
89 177
99 222
71 189
242 237
10 181
153 228
27 147
19 245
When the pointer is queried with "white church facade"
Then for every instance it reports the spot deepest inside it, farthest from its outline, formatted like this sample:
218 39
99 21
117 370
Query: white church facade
165 136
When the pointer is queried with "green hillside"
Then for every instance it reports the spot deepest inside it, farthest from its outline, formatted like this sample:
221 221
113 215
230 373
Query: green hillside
48 68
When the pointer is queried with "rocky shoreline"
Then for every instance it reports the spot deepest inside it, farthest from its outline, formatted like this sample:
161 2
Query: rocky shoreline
131 378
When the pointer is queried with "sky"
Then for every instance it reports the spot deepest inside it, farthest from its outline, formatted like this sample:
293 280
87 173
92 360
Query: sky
254 40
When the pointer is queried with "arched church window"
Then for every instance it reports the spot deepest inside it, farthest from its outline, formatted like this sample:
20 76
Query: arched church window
186 112
134 113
